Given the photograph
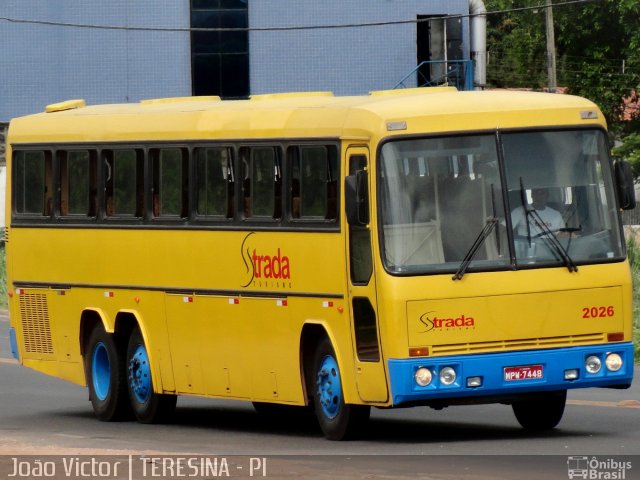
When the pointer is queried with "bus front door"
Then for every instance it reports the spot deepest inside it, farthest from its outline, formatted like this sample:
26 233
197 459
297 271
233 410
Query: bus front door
370 372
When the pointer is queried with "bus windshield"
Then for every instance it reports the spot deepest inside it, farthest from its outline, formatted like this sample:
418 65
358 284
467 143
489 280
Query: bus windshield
443 202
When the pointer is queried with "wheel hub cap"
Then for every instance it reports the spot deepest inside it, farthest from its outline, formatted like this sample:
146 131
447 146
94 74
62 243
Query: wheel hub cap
329 387
101 371
140 374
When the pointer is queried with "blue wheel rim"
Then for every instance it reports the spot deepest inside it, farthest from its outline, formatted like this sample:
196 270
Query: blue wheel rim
140 374
329 387
101 371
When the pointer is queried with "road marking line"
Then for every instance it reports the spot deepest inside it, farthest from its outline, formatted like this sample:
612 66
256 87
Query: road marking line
591 403
11 361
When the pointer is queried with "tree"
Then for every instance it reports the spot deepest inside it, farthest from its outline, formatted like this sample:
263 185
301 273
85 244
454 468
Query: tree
597 44
516 47
630 151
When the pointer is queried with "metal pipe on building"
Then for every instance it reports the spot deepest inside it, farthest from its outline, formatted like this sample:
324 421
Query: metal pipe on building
478 35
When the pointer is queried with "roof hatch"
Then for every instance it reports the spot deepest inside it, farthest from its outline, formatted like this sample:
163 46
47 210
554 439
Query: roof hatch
66 105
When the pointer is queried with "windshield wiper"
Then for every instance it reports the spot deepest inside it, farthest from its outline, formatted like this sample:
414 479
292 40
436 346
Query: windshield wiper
492 222
547 235
525 207
550 239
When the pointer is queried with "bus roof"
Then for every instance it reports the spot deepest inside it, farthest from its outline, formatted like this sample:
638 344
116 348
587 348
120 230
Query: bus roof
303 115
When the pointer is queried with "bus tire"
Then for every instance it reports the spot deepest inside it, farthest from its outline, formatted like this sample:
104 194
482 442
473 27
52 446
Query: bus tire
148 406
338 420
106 377
541 412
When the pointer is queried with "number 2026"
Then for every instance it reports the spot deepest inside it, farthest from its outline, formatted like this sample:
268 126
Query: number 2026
598 312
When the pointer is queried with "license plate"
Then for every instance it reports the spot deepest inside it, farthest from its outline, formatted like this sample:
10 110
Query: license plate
529 372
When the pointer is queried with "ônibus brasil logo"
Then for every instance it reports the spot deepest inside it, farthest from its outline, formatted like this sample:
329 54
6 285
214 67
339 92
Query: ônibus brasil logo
433 322
264 265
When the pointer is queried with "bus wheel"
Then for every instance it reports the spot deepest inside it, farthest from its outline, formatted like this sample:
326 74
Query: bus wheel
106 376
338 421
148 406
541 412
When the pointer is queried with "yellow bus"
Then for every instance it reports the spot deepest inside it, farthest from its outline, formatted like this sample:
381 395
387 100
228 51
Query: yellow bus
412 247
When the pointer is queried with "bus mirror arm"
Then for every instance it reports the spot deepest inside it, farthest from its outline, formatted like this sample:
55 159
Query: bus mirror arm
625 187
357 199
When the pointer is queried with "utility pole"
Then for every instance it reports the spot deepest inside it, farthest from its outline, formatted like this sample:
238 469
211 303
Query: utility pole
551 48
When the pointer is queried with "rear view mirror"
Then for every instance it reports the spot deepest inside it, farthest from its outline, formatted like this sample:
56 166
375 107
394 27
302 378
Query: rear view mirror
625 188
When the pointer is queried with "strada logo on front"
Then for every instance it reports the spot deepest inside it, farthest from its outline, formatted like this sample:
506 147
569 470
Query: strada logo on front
433 322
262 264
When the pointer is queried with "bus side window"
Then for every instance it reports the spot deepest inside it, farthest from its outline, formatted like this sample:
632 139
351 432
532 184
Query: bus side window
313 182
124 183
78 183
294 179
215 182
32 178
262 182
170 193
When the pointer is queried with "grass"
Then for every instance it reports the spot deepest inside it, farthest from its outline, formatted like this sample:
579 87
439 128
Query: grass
633 252
3 277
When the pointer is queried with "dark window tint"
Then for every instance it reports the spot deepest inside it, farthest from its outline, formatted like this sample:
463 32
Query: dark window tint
366 330
214 177
78 186
170 182
220 57
124 179
261 182
359 236
32 182
313 182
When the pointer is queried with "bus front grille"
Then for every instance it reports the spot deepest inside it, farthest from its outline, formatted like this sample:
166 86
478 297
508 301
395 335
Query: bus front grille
519 344
34 314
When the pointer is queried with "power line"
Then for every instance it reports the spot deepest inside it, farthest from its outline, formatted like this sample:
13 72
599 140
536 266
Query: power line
279 29
500 57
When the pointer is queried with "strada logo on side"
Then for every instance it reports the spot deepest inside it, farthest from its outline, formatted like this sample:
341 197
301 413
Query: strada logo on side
267 266
264 266
433 322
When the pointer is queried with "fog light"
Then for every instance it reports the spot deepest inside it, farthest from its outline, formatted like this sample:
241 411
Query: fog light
571 374
447 376
593 364
474 382
613 362
423 376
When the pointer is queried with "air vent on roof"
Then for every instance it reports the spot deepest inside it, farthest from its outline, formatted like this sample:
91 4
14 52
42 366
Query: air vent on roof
66 105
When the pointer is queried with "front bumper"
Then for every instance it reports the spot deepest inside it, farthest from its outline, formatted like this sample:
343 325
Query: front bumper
491 369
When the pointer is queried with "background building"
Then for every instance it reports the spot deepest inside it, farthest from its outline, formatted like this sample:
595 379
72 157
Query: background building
124 51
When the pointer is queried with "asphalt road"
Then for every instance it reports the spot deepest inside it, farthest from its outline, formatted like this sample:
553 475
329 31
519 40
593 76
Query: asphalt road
40 415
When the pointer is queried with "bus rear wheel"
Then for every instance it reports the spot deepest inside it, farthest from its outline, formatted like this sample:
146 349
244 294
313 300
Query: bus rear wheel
148 406
338 420
542 411
106 378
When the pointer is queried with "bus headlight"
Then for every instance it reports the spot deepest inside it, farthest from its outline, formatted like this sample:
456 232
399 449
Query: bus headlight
447 376
613 362
593 364
423 376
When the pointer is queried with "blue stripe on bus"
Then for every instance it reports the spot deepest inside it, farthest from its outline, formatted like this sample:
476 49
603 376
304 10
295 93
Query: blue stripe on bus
14 343
490 367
